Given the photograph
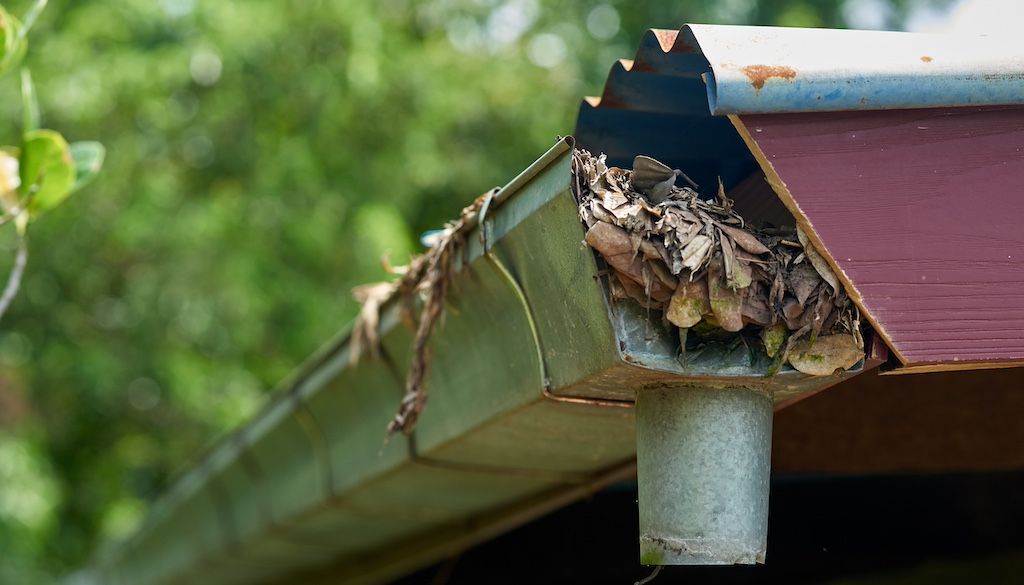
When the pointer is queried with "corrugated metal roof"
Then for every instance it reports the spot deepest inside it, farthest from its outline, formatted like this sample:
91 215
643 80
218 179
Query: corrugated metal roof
670 100
755 69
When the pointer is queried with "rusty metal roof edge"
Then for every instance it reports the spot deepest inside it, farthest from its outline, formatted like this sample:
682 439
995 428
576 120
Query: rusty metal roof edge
760 69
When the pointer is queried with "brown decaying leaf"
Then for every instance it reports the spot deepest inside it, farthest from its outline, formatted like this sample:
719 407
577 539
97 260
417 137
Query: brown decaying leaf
635 291
616 247
803 281
755 307
366 331
744 239
696 252
726 303
792 313
689 304
817 261
825 354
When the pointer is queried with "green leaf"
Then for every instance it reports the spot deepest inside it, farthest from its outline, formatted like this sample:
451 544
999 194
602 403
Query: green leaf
88 157
29 103
47 170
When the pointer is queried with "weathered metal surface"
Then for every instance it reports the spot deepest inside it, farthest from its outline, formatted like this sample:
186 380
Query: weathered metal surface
780 69
919 210
754 69
703 465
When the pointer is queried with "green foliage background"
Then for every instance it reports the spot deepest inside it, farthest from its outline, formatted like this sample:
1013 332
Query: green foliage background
262 156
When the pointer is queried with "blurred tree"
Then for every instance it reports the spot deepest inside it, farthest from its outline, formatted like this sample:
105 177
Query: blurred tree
263 155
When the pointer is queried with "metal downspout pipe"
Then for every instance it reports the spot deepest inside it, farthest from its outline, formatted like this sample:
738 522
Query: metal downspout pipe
703 467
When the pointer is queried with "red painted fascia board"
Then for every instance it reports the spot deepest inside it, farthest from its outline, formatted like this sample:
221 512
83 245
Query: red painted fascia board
921 212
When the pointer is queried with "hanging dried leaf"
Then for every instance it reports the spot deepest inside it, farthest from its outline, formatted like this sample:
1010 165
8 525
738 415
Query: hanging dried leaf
726 303
737 273
664 274
825 355
366 331
689 304
822 309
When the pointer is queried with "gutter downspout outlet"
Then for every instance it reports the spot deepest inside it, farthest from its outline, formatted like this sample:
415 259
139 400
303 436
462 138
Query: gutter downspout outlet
703 467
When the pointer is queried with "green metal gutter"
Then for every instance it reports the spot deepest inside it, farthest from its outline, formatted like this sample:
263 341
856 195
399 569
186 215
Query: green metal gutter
532 381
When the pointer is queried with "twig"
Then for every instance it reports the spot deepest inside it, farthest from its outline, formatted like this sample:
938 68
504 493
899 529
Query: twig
650 577
14 280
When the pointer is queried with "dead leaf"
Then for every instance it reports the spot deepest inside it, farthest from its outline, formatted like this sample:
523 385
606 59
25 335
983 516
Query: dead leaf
755 308
826 354
689 304
654 250
664 274
616 247
726 303
696 252
744 239
635 291
366 331
792 313
817 261
803 280
614 199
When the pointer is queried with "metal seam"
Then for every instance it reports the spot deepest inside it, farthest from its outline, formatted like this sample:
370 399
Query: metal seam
603 402
561 477
318 440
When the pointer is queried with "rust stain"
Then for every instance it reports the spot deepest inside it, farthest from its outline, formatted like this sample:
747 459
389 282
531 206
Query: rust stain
926 59
759 74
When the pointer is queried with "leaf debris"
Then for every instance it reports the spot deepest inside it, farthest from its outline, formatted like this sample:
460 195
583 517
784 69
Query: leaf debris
700 263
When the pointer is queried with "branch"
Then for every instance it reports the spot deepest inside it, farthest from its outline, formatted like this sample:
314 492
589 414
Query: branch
14 280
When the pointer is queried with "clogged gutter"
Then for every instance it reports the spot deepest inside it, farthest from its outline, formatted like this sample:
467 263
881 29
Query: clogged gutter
695 262
709 273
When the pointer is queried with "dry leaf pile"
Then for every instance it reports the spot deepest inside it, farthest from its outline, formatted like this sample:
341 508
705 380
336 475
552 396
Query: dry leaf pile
709 273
